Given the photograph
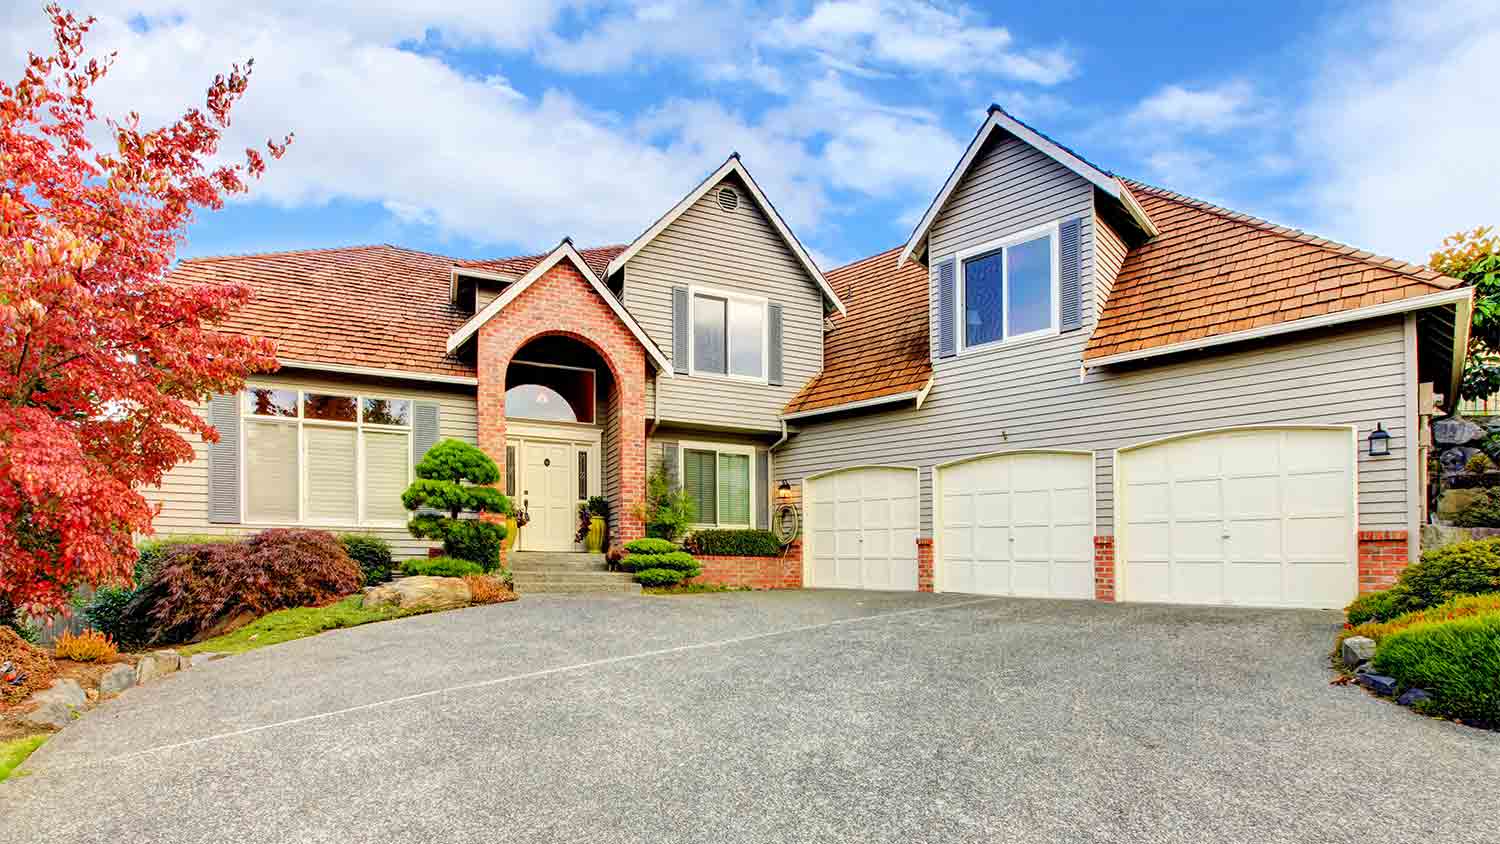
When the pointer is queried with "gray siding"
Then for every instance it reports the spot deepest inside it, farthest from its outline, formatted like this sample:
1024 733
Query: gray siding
740 252
183 493
1035 394
1110 254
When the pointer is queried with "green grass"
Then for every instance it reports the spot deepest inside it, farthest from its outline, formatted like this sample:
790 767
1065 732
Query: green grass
1457 660
13 753
692 589
286 625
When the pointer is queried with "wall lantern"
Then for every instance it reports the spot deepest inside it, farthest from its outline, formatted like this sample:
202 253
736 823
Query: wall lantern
784 491
1380 442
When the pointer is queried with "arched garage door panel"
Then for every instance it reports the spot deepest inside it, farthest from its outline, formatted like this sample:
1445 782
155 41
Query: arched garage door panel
1259 517
1018 524
862 525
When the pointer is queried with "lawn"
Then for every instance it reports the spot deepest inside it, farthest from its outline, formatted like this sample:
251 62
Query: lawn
286 625
14 752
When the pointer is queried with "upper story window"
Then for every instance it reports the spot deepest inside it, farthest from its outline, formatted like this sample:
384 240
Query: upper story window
729 335
1008 290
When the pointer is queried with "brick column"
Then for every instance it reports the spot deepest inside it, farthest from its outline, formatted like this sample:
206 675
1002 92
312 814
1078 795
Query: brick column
1382 556
1104 568
924 564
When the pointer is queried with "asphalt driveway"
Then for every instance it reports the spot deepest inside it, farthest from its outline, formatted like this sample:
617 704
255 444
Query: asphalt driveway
775 717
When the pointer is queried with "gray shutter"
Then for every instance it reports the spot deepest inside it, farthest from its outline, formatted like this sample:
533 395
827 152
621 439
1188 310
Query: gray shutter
424 429
680 330
1069 281
763 480
773 366
947 310
224 460
669 462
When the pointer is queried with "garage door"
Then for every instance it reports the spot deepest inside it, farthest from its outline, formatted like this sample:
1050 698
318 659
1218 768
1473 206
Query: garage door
863 529
1261 517
1017 524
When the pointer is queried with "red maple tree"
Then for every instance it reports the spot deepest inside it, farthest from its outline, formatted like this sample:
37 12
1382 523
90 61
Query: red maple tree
102 358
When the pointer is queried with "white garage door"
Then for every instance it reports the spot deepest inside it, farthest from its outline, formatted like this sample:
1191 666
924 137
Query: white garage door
863 529
1017 524
1261 517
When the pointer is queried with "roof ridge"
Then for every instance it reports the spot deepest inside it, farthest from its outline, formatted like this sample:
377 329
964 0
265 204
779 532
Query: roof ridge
537 255
1383 262
358 247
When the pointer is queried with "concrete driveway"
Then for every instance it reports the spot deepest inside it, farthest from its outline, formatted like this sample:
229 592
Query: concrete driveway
797 716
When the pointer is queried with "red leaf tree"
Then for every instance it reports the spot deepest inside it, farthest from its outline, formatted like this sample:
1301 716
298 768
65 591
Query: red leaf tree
102 358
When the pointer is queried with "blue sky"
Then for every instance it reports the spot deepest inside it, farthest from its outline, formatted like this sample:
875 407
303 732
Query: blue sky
480 129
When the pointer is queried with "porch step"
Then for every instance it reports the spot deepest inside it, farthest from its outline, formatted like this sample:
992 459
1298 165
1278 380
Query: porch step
555 560
549 571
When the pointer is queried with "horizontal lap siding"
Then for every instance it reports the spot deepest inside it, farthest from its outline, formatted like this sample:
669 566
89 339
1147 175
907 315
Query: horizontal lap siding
183 494
740 252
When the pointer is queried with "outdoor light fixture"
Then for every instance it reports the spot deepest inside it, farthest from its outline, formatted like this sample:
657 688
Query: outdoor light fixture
784 491
1380 442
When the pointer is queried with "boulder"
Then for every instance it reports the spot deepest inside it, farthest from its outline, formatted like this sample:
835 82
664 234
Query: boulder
1378 683
1454 500
1455 459
1357 651
1456 430
420 593
1441 536
51 714
66 692
117 679
155 665
1412 696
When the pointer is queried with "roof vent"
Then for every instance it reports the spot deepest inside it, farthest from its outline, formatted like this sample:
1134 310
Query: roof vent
728 199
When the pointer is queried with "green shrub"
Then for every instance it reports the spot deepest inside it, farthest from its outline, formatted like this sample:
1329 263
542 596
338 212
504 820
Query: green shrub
667 510
677 560
1464 568
650 545
1372 606
454 479
372 553
1457 661
659 577
1484 511
105 612
1461 607
441 567
734 543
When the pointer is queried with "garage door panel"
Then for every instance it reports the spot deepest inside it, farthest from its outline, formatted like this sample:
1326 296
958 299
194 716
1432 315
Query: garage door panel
1150 542
1148 501
1253 453
1312 454
1252 496
1072 506
1254 541
1073 543
1196 499
864 534
1149 581
903 514
958 542
1198 582
991 543
1315 579
1031 579
875 511
993 508
1323 539
958 510
1031 472
1318 494
1031 507
1253 584
1073 580
990 577
1195 459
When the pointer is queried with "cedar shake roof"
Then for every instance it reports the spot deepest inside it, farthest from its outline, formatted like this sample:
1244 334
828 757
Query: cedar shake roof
880 348
1212 271
597 258
379 307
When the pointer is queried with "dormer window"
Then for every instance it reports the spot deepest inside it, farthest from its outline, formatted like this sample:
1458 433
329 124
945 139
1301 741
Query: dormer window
1008 289
729 335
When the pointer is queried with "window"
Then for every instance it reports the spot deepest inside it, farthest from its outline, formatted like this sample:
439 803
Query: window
325 458
1009 290
718 481
729 335
583 475
550 392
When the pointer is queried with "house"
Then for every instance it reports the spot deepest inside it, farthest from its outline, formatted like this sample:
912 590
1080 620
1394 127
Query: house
1063 384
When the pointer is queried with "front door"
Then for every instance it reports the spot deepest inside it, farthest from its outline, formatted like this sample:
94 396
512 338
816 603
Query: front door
549 492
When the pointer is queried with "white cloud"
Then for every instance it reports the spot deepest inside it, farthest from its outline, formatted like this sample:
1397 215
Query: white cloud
1399 134
1029 106
1208 109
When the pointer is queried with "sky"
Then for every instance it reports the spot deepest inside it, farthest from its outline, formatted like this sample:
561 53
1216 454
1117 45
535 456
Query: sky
475 128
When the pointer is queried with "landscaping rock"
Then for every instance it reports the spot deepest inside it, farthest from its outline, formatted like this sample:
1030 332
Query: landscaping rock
1357 651
1455 430
156 665
1454 500
1378 683
420 593
1412 696
52 714
66 692
117 679
1455 459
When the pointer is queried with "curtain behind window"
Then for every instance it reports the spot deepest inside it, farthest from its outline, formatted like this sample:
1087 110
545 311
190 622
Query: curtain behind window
699 480
331 493
734 488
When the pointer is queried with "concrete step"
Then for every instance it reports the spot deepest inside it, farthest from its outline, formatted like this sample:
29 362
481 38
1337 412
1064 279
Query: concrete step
539 560
580 575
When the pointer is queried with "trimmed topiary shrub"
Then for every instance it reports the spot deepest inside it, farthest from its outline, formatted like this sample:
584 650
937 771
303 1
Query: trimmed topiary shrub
441 567
675 560
648 558
1464 568
208 589
371 553
650 545
454 478
1457 661
659 577
733 543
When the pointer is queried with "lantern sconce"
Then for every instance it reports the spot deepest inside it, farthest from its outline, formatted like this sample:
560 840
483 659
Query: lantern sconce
784 491
1380 442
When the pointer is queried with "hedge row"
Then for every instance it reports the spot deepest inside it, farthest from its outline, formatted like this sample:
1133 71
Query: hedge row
734 543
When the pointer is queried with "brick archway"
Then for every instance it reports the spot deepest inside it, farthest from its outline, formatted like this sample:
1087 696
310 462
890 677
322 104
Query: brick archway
563 303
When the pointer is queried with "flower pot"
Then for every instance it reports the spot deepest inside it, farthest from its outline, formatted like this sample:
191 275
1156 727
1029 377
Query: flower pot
511 532
594 542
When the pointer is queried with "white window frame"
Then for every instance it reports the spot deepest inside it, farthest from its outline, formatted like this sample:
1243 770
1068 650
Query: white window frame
962 258
301 423
694 291
720 448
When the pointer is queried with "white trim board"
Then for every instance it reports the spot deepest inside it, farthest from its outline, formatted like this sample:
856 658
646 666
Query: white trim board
1461 297
563 250
404 374
731 165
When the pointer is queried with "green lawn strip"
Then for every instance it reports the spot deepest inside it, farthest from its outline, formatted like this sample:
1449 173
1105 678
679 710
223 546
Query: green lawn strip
14 752
692 589
286 625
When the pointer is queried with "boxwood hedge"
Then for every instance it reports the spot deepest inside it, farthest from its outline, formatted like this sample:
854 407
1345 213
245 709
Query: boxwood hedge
734 543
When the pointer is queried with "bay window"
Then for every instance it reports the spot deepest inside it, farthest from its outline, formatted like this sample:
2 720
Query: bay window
1008 289
718 481
729 335
324 458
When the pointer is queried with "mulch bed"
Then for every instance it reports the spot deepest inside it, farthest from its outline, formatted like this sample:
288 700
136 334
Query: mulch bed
39 668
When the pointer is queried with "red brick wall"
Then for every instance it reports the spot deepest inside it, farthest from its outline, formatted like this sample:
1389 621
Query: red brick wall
924 564
1104 568
562 302
784 572
1382 556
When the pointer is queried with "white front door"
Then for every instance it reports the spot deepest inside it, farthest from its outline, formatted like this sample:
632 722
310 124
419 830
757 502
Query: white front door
1256 516
863 529
549 492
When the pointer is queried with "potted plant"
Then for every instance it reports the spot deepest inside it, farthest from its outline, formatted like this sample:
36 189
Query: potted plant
513 524
593 523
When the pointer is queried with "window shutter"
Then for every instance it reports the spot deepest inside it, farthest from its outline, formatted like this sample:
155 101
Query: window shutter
734 482
224 460
1069 280
700 478
763 482
947 283
669 462
773 330
424 429
681 331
